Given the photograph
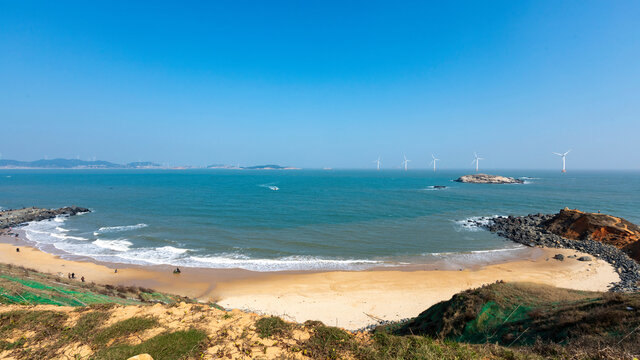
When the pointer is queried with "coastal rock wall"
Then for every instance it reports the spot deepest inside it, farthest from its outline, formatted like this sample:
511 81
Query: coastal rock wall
530 231
9 218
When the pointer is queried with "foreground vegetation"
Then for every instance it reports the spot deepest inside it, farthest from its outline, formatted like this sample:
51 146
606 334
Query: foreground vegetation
500 321
19 285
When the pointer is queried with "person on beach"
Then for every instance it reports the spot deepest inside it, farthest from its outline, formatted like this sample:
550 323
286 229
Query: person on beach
69 276
17 249
176 271
82 279
73 275
115 271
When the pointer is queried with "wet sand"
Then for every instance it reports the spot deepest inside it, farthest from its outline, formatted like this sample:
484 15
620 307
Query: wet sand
349 299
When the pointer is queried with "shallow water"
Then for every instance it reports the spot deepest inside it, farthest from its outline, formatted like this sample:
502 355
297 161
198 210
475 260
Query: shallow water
342 219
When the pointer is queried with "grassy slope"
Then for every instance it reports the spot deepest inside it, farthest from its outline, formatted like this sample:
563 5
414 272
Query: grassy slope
525 314
23 286
526 321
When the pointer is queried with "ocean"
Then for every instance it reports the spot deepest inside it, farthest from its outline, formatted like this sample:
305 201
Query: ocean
315 220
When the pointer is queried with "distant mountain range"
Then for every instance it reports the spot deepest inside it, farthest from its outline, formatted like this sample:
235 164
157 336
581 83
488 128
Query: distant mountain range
100 164
74 164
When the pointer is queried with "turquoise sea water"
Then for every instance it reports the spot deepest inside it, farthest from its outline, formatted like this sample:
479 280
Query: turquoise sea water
342 219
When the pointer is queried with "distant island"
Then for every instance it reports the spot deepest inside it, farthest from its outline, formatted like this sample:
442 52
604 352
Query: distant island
101 164
75 164
488 179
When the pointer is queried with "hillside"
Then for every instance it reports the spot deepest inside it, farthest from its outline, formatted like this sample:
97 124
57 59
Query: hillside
46 317
527 314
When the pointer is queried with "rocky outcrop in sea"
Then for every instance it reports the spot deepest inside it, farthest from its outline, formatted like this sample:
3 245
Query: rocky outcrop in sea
488 179
10 218
531 230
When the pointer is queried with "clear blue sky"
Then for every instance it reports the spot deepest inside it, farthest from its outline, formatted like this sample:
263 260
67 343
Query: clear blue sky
322 83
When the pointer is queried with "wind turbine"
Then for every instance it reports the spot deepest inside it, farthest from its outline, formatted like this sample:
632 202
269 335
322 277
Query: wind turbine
405 162
434 162
476 159
377 163
564 156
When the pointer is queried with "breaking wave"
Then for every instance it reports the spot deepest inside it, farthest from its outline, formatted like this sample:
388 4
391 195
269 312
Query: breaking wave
112 229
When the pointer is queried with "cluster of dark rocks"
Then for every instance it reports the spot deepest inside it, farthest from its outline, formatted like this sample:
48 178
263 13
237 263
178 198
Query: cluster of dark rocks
529 230
15 217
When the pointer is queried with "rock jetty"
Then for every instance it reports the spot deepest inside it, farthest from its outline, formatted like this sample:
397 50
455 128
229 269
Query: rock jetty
9 218
488 179
535 230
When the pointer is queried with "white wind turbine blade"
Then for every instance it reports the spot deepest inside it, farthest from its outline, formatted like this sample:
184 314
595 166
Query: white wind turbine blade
558 154
565 154
432 161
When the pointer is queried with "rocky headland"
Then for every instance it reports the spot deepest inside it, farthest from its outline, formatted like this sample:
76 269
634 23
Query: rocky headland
578 225
9 218
603 236
488 179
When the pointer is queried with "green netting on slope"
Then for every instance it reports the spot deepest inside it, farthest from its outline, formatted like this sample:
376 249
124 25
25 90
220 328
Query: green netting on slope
487 324
34 284
26 298
55 295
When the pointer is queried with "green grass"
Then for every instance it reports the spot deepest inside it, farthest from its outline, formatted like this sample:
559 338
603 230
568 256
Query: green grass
124 328
86 326
392 347
45 324
328 342
270 326
6 345
168 346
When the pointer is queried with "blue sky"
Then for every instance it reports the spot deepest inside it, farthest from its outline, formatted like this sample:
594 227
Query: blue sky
317 84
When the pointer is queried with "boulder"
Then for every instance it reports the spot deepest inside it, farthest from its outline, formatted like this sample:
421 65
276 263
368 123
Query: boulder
559 257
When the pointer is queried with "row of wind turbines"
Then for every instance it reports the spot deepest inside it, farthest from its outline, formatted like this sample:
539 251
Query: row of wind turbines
476 161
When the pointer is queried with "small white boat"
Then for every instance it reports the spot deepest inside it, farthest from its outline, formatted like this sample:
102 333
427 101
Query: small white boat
274 188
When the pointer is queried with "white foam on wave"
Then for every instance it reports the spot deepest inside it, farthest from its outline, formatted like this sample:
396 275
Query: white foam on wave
490 251
112 229
433 188
474 223
116 245
62 236
284 263
54 236
458 260
46 231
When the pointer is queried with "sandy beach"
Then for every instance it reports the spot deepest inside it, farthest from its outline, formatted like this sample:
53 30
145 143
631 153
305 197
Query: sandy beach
349 299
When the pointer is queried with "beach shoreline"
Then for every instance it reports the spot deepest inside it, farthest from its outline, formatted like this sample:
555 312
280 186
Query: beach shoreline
349 299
